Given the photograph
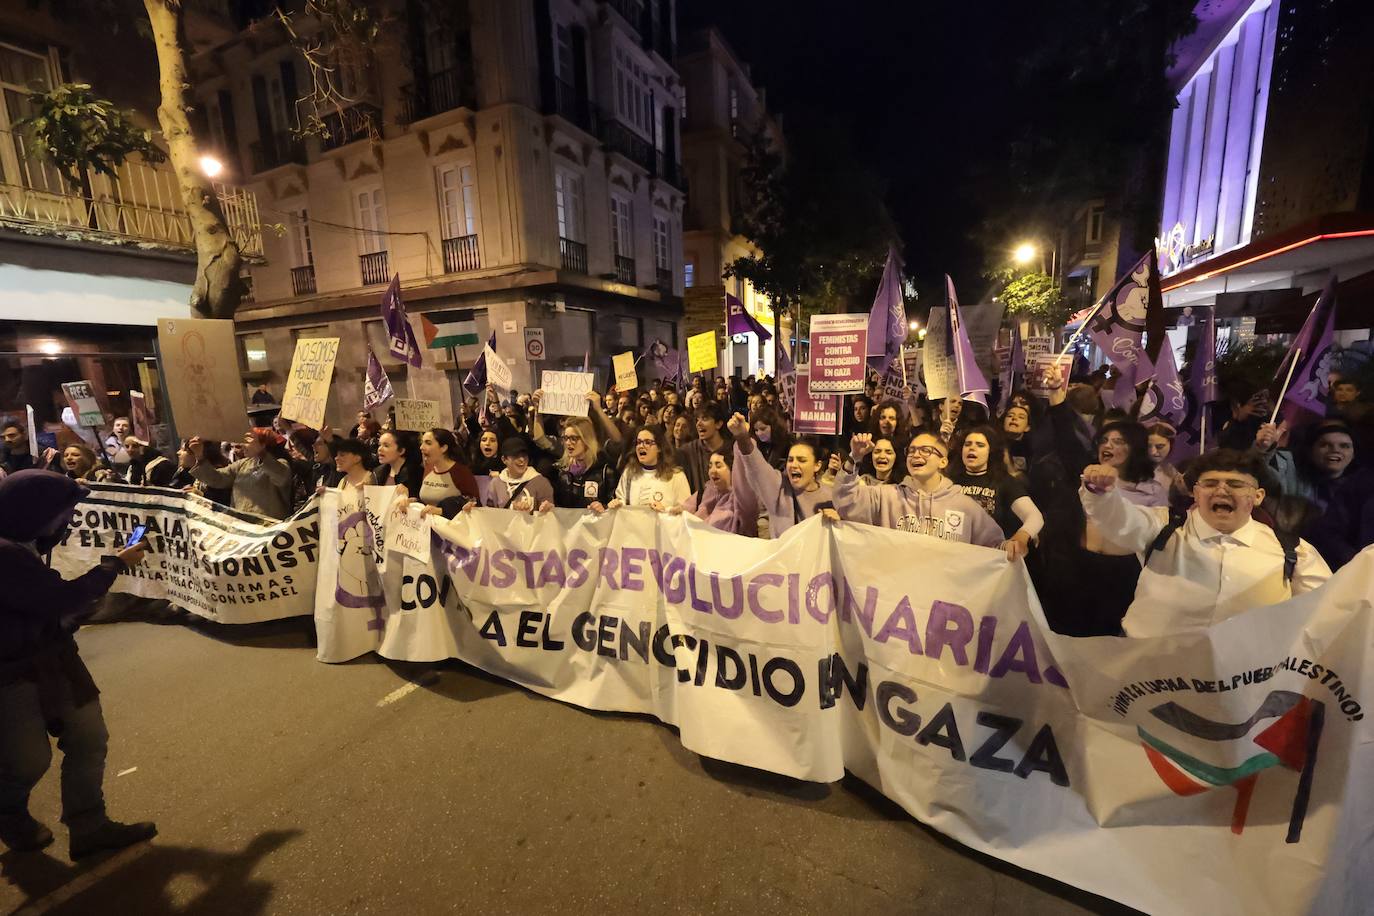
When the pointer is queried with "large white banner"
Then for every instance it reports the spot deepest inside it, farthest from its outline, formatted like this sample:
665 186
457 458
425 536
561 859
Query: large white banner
229 566
1220 773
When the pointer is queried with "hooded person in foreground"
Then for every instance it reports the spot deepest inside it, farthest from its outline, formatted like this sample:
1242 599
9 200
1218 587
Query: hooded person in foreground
45 688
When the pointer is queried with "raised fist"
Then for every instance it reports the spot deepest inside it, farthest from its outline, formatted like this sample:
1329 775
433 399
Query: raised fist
1099 478
860 445
738 426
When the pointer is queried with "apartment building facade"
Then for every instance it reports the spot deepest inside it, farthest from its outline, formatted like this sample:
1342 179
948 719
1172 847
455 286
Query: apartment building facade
723 107
87 267
512 163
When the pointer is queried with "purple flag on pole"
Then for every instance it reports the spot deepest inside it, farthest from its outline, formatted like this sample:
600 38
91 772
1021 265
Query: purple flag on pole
477 376
1118 324
1202 387
1310 355
377 387
972 385
739 321
402 343
1165 398
887 319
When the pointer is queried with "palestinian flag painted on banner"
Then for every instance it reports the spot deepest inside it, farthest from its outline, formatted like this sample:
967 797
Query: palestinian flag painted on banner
450 329
1290 741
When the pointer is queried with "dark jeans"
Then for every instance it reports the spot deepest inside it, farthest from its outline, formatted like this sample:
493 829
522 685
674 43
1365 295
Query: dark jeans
26 752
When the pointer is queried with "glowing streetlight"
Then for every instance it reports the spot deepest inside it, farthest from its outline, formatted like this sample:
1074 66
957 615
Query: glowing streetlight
50 347
1024 253
915 326
211 166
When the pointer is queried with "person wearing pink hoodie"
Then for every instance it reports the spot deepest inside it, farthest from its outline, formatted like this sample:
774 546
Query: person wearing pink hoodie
789 497
717 503
926 501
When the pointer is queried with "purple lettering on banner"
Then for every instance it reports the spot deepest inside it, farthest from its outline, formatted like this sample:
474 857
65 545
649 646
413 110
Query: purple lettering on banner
529 558
734 609
825 582
865 613
577 562
656 564
987 629
756 584
552 572
697 604
631 565
460 558
901 624
1054 677
502 572
793 598
1019 655
939 633
675 581
607 567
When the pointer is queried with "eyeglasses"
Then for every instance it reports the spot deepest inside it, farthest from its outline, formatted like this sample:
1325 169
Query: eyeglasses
928 451
653 442
572 438
1232 484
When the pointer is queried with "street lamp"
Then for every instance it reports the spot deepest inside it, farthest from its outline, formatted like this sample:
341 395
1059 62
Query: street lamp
915 326
1024 253
211 166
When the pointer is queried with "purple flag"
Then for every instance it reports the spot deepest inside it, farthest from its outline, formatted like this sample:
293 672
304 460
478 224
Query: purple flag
1165 398
887 320
1016 366
667 361
1311 354
739 321
1202 388
402 343
1117 325
477 376
376 387
972 385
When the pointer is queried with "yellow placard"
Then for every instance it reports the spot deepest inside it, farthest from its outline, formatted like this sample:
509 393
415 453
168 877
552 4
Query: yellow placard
701 352
625 377
307 387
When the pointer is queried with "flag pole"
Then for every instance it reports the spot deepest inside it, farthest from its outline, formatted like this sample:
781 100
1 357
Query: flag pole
1081 327
1297 354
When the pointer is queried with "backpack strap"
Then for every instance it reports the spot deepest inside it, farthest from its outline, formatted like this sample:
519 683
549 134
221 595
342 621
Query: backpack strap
1177 518
1289 542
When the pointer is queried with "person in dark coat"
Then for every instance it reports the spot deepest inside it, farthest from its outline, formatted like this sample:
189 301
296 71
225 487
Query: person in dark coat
45 688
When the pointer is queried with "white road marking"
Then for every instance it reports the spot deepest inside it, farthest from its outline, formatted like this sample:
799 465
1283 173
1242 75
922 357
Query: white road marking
398 693
83 881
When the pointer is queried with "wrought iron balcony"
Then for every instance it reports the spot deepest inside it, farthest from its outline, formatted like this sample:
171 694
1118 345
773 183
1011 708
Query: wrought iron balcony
434 93
668 168
356 122
140 203
665 279
303 280
619 138
574 255
625 270
375 268
277 149
575 108
461 254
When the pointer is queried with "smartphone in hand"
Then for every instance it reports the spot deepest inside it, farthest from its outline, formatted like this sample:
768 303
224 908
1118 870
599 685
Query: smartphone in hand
136 536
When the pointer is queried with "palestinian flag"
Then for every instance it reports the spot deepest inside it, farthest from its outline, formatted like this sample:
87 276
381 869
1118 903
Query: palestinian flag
1289 741
450 329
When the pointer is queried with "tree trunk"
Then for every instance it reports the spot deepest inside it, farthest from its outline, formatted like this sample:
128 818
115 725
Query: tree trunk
218 287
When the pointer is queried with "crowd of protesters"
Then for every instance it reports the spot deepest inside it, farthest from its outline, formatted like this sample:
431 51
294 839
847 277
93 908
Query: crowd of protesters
1041 480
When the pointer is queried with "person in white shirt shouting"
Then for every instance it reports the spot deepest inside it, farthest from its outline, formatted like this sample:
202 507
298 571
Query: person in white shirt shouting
1211 563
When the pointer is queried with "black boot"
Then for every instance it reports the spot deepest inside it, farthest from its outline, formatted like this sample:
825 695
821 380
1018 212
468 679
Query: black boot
24 834
110 835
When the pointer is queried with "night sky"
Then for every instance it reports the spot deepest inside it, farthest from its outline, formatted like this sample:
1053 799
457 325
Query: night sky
928 90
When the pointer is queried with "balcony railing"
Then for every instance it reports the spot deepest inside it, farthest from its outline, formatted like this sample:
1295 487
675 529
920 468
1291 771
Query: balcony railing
375 268
625 270
667 168
140 203
632 10
277 149
434 93
303 280
461 254
575 107
620 139
665 279
574 255
356 122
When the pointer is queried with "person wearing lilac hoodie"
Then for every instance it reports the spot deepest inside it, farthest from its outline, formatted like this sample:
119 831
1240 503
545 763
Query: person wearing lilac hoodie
926 502
717 504
789 497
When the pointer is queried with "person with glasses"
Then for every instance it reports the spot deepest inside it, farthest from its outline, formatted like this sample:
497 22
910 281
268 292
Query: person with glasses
648 474
924 502
585 476
1210 564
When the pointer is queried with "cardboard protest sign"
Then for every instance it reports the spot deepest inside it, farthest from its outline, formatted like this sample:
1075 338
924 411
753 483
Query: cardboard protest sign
839 345
498 371
701 352
407 531
981 323
200 361
81 397
140 416
1035 371
941 374
307 386
912 360
565 393
415 415
816 415
625 377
